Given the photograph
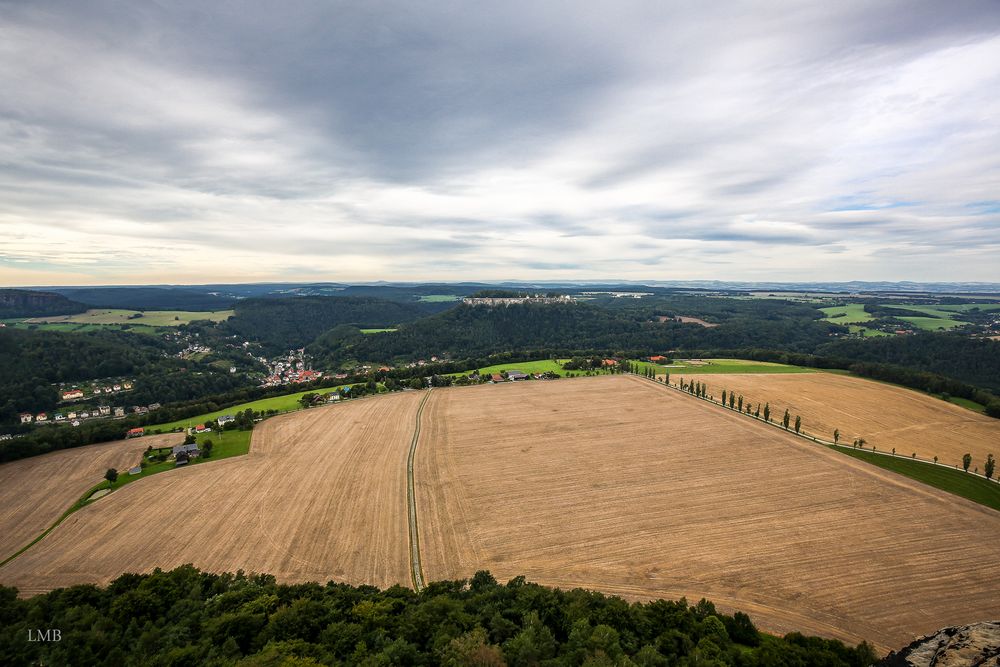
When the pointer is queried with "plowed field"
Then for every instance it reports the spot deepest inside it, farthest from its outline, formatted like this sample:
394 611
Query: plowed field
620 485
884 415
34 492
320 496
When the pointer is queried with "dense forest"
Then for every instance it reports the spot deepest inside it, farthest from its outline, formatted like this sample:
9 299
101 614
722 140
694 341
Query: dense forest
146 298
464 331
974 360
283 324
28 303
188 617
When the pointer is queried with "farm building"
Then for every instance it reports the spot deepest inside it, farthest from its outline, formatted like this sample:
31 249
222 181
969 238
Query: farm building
609 362
516 375
225 419
200 428
184 453
135 432
496 377
658 358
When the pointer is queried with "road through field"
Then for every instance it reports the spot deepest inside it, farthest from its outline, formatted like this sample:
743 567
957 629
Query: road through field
34 492
320 496
884 415
620 485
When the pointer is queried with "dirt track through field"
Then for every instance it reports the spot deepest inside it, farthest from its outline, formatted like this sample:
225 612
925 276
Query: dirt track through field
34 492
620 485
884 415
320 496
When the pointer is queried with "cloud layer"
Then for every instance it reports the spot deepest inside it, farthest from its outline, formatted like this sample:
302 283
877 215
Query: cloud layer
457 141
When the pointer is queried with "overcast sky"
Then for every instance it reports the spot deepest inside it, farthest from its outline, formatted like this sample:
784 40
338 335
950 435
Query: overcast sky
194 142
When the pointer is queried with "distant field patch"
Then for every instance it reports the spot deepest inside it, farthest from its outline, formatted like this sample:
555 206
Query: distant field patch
115 316
710 366
375 331
538 366
932 323
439 298
852 313
284 403
866 332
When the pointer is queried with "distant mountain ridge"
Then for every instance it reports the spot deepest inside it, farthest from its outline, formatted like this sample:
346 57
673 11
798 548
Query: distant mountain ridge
28 303
385 288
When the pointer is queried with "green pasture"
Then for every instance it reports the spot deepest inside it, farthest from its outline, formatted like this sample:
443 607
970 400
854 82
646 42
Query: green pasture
118 316
952 480
968 404
932 323
538 366
439 298
966 307
717 366
282 403
851 313
865 332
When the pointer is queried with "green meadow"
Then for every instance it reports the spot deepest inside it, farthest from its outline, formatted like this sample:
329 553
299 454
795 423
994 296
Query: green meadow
952 480
439 298
851 313
716 366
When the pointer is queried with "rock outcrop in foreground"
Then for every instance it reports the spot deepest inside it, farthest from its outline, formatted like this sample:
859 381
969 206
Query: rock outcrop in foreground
975 645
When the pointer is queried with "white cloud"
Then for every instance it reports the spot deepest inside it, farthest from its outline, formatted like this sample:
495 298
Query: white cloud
820 143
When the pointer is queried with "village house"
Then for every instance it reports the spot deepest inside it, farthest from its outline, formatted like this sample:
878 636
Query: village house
135 432
119 412
72 415
117 387
496 377
105 410
200 428
42 417
154 406
225 419
76 422
609 362
658 358
184 453
84 415
26 418
127 385
60 417
71 395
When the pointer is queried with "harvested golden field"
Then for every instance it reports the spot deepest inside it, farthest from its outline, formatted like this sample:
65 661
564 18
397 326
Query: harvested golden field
320 496
884 415
34 492
620 485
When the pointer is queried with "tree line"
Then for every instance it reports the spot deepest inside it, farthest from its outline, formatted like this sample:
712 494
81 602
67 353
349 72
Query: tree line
188 617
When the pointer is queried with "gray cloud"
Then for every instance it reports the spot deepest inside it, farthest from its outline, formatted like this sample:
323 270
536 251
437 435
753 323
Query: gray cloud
454 141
